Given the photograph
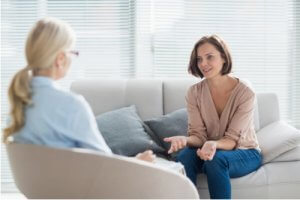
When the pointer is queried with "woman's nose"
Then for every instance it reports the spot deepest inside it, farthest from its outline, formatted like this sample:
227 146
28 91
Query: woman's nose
203 63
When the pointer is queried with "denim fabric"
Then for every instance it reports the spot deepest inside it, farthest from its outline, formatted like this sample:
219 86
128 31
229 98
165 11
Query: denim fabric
224 165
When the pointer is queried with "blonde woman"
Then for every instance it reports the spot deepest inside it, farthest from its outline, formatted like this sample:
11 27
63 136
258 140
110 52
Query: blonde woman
42 113
222 141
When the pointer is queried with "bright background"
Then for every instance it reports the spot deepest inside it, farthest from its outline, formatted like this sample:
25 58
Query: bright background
154 38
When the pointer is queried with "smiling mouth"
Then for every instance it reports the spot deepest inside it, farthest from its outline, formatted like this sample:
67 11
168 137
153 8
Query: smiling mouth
206 70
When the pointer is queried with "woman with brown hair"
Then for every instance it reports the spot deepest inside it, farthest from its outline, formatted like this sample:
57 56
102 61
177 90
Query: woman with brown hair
221 138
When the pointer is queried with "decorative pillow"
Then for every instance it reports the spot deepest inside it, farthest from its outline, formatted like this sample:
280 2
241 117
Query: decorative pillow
276 139
123 131
169 125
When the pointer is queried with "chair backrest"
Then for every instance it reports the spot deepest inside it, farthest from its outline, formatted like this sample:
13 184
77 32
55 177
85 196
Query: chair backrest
155 97
48 173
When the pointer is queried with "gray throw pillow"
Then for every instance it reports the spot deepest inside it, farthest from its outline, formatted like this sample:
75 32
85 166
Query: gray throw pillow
123 131
172 124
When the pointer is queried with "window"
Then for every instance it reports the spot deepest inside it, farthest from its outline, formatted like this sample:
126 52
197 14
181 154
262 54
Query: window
262 36
154 38
105 35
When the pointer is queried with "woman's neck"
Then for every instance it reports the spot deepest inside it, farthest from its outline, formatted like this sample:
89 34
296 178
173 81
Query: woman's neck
45 72
218 81
222 84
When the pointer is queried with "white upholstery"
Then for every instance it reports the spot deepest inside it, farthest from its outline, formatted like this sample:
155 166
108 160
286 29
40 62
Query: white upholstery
276 139
291 155
174 92
272 180
47 173
268 109
105 95
266 182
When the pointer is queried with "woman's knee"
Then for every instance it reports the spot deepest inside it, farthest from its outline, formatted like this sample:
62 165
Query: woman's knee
219 161
187 155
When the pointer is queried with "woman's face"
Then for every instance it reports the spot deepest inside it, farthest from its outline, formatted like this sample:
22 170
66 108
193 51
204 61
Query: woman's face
209 60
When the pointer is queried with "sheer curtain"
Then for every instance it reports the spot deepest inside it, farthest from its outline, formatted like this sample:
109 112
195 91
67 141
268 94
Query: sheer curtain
294 104
154 38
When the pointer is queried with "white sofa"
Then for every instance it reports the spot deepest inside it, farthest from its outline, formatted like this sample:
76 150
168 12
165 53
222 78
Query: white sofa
279 177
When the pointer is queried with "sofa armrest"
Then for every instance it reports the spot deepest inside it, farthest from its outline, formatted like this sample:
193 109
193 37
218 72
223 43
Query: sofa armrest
42 172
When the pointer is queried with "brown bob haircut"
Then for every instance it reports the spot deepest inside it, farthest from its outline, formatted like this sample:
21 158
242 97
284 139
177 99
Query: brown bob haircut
220 45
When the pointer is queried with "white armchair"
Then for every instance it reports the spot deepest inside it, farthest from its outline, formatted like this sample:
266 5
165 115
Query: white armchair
48 173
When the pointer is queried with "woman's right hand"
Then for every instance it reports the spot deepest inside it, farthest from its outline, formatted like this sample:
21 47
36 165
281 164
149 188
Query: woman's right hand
147 156
177 143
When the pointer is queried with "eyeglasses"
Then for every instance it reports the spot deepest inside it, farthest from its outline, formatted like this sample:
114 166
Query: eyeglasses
76 53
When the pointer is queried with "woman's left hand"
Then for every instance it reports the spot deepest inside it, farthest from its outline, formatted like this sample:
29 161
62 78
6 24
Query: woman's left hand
208 150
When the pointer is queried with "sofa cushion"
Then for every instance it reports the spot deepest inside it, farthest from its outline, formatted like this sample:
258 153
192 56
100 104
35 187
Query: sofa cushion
291 155
276 139
172 124
124 132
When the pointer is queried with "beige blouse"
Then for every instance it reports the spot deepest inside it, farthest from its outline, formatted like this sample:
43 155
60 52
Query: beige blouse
236 121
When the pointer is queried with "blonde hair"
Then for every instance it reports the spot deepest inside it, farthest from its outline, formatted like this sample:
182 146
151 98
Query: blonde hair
46 39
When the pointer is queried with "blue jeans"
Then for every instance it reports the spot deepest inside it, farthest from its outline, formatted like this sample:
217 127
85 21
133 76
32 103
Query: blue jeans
224 165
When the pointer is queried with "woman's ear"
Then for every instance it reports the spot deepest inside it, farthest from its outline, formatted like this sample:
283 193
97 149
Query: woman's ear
60 60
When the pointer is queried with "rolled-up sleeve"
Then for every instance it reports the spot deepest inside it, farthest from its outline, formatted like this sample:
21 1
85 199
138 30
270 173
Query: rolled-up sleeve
242 118
196 125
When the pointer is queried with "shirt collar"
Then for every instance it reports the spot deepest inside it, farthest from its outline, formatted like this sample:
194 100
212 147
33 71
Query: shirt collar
43 81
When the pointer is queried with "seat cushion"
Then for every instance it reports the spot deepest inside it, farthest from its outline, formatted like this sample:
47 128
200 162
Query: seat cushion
124 132
247 184
272 180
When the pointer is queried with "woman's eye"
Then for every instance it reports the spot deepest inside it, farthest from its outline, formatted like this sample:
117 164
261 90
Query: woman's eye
199 60
209 57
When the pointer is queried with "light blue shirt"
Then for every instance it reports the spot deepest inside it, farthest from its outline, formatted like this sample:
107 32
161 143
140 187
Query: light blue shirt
60 119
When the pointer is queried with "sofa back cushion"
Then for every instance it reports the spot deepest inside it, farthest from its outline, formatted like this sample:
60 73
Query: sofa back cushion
105 95
268 109
174 93
154 98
